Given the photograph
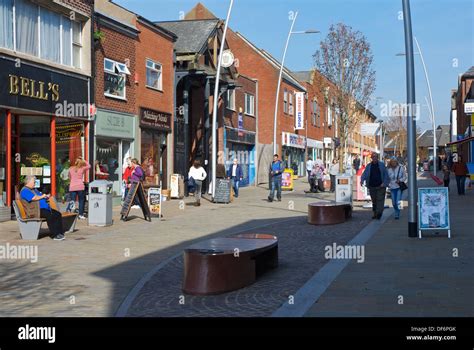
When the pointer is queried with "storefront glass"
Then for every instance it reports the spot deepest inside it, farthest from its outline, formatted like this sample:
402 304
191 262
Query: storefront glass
3 162
153 157
107 154
293 158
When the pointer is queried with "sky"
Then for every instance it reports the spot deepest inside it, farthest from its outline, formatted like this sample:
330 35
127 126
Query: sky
444 29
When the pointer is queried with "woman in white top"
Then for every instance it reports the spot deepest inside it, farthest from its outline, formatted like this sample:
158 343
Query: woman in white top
198 173
396 174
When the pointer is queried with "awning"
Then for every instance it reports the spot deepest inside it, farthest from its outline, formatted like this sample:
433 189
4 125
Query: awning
459 142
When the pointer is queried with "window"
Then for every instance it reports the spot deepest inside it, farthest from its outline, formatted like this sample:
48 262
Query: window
285 101
291 109
37 31
329 114
315 114
114 78
249 104
154 75
231 99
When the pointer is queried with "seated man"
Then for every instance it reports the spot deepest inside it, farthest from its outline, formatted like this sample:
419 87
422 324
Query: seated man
53 217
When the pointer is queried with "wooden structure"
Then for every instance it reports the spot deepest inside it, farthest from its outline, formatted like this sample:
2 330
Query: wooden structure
328 213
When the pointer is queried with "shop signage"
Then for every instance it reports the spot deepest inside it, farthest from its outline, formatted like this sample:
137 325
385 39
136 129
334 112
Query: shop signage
227 59
154 201
154 119
33 88
469 107
314 143
433 209
240 124
299 116
65 133
327 141
369 129
293 140
114 125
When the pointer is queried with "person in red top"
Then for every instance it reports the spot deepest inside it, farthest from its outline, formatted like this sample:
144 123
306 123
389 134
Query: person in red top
460 170
76 186
127 173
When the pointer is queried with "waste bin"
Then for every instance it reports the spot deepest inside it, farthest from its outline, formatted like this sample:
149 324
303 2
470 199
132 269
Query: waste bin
100 203
344 188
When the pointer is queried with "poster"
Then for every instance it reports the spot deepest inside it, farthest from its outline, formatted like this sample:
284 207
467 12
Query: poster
287 179
46 170
433 209
154 200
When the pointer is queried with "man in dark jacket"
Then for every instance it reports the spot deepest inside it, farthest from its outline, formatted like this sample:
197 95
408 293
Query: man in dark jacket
356 163
276 171
236 175
376 178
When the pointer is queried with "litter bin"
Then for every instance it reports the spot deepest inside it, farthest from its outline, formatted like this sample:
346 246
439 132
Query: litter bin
344 188
100 203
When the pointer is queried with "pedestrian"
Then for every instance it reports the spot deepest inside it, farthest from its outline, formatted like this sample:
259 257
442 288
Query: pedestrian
309 167
318 173
137 175
276 171
356 163
446 175
460 170
38 200
76 185
376 178
235 174
396 174
333 171
198 173
126 176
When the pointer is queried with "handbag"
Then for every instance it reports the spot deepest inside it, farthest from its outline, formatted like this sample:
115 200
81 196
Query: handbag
403 185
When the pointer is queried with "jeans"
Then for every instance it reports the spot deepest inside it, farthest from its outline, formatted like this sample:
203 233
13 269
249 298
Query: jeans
82 200
461 182
276 184
54 220
396 196
235 185
309 174
377 194
197 193
333 183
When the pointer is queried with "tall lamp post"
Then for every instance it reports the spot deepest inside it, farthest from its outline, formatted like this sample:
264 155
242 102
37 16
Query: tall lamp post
215 102
432 114
411 121
281 74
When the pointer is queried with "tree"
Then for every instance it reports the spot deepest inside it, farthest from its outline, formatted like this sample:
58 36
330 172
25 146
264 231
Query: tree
397 123
345 59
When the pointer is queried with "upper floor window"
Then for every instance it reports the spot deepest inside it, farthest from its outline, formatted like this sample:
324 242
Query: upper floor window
37 31
154 77
231 99
285 101
249 104
315 114
291 109
114 78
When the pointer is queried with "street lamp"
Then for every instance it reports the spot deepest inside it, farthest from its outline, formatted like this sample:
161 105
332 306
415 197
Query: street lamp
310 31
433 120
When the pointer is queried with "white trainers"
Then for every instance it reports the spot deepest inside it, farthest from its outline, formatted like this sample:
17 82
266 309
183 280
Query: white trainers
82 217
135 207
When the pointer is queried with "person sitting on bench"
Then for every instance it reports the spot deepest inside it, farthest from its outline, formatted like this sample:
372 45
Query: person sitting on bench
53 217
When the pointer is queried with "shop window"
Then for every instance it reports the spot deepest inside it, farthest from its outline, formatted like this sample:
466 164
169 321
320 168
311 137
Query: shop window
285 101
3 163
153 154
56 38
250 104
114 78
231 100
154 75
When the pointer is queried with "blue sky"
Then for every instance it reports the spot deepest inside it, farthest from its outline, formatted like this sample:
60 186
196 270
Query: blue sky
444 29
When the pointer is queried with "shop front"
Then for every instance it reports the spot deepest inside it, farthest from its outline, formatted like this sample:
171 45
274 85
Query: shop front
293 153
114 140
44 125
155 129
315 149
240 145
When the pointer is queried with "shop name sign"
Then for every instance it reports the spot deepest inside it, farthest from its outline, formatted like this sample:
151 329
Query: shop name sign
293 140
155 119
32 88
469 107
299 115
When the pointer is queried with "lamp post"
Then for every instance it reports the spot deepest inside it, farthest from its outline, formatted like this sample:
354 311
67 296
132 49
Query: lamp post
433 120
281 74
215 102
411 121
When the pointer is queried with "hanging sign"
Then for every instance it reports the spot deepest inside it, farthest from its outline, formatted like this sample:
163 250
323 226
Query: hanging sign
299 116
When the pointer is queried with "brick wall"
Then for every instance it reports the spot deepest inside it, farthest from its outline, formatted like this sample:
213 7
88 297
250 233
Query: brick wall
231 117
84 6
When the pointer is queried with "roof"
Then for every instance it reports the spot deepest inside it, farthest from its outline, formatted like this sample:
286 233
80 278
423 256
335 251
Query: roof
443 137
192 34
303 76
469 73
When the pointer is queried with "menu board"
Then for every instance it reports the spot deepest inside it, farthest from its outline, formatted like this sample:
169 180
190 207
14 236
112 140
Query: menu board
135 192
154 201
433 208
223 188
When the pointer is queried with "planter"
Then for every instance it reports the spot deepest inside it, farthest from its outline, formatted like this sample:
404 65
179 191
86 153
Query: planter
5 214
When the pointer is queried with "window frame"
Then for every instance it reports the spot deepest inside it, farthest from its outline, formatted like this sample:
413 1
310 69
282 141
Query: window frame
230 106
252 104
117 73
160 71
285 101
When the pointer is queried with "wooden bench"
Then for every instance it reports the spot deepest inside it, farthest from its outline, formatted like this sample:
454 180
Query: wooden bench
329 213
30 228
225 264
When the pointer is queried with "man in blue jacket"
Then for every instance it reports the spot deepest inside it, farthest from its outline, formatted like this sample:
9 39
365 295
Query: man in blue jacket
276 171
235 174
376 179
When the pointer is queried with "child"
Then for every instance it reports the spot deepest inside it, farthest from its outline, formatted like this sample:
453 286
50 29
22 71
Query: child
447 174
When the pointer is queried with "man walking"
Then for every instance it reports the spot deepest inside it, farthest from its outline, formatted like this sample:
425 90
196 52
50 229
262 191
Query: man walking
276 170
309 167
333 171
376 179
356 163
236 175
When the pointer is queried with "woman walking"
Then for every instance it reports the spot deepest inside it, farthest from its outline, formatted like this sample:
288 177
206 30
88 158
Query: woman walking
396 174
76 186
461 171
198 173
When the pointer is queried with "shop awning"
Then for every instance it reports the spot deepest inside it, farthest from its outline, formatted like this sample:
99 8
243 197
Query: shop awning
459 142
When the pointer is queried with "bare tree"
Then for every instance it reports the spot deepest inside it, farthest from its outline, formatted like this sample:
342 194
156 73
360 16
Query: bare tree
345 59
397 124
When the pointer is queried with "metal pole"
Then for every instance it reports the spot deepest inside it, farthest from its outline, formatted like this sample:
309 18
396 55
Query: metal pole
411 122
278 85
432 108
216 98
